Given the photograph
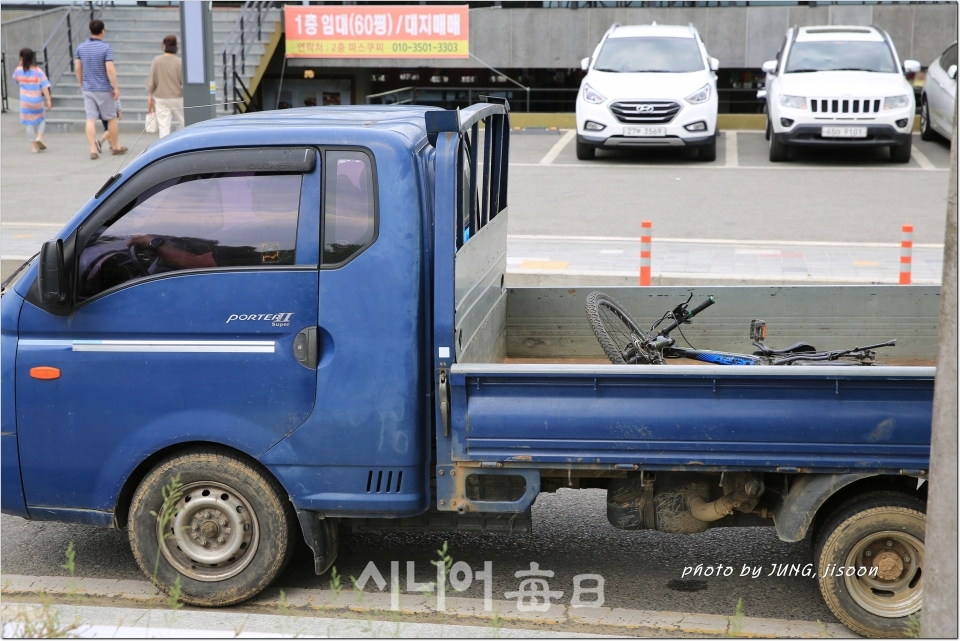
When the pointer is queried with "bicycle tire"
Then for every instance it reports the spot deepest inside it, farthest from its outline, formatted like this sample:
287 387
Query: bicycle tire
613 326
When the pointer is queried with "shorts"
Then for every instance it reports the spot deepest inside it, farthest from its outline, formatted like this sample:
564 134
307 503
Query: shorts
99 105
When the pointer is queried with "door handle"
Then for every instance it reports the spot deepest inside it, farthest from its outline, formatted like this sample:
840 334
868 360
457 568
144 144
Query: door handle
443 389
305 347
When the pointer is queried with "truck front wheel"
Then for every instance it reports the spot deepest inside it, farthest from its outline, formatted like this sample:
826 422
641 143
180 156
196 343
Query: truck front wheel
869 557
213 521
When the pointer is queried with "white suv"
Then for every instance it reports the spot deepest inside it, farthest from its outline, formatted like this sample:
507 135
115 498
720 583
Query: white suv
648 85
836 85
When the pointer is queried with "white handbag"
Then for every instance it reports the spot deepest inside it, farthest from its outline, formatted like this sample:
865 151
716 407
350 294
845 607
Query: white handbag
152 126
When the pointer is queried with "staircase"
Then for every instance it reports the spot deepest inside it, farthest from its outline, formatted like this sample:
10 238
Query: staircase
136 35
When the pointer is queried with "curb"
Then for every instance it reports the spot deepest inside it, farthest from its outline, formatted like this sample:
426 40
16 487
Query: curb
316 602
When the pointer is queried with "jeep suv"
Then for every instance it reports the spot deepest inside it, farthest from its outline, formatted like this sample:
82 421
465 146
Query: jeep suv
839 86
648 86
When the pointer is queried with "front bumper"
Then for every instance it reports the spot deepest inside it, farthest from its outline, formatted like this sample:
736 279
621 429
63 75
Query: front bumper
809 135
613 142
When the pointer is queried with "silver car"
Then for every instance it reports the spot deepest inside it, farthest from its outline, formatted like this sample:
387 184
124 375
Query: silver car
938 100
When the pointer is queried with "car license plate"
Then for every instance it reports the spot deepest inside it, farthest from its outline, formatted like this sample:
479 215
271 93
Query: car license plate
644 131
843 132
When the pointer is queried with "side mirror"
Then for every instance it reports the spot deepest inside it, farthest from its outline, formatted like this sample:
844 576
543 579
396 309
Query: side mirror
714 64
761 94
585 63
50 277
952 72
911 66
769 66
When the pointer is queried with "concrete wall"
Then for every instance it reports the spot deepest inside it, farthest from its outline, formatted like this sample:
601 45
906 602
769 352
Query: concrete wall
31 30
739 36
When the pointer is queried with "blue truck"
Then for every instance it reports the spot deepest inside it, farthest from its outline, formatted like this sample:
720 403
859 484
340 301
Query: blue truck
274 325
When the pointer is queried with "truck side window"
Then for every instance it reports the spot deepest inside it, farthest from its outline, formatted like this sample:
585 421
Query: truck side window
349 219
195 222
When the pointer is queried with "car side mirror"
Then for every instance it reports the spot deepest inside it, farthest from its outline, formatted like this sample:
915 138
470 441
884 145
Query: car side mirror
911 66
769 66
585 63
952 72
714 64
761 94
50 278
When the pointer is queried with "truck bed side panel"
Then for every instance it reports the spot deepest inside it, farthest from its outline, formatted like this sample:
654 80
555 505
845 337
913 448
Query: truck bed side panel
671 417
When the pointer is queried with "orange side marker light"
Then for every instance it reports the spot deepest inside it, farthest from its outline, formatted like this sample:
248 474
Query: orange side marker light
44 373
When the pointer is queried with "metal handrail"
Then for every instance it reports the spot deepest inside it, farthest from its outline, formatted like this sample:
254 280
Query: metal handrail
247 31
58 49
4 105
242 97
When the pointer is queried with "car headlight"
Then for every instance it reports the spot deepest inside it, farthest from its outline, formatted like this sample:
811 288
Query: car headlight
591 95
793 102
700 95
896 102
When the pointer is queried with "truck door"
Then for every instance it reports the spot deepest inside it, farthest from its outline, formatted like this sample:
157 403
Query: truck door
190 286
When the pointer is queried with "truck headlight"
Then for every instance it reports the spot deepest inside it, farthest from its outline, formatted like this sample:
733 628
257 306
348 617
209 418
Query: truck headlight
699 96
793 102
591 95
896 102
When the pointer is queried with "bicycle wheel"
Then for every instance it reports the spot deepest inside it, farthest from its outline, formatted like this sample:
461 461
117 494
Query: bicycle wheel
616 331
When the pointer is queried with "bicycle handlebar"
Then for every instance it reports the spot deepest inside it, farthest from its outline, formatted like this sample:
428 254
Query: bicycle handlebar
690 314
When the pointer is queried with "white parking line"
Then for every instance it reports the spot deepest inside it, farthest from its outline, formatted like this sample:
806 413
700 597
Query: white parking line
715 241
558 147
922 159
709 166
730 139
24 224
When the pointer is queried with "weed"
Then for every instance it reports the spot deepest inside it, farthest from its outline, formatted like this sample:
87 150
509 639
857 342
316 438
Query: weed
173 597
735 625
172 493
443 564
496 622
335 586
43 622
823 631
70 566
284 604
912 630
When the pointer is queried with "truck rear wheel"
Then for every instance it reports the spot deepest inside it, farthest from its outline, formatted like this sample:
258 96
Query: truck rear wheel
870 557
226 532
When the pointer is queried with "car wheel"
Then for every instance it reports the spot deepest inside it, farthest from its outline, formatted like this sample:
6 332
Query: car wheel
901 153
213 523
926 131
778 150
869 558
768 129
585 152
708 152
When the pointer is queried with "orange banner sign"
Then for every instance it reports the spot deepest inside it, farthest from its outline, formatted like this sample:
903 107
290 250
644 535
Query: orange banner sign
344 31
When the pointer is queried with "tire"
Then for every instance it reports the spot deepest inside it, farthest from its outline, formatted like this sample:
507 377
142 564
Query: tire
768 129
901 153
249 503
585 152
614 328
708 153
878 606
778 150
926 131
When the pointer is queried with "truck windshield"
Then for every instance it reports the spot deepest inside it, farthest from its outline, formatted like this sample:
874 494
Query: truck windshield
650 55
840 55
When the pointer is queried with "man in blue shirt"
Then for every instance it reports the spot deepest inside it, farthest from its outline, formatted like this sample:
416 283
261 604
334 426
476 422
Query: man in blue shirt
98 79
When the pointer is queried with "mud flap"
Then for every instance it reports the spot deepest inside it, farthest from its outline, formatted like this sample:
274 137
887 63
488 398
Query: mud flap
322 537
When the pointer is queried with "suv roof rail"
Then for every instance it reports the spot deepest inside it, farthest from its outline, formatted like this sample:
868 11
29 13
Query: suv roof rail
610 30
693 29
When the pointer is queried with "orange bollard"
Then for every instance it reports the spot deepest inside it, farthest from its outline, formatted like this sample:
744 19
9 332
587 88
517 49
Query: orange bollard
906 254
646 229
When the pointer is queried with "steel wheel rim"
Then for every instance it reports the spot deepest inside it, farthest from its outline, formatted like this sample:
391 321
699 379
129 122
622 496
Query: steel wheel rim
213 535
897 589
620 332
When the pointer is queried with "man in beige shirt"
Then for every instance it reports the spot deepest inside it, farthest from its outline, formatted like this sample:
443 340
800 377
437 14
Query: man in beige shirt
165 87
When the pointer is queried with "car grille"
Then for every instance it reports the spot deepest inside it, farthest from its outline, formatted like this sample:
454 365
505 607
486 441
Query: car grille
645 112
845 105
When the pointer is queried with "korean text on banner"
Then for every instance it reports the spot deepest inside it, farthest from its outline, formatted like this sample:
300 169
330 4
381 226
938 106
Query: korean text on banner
413 31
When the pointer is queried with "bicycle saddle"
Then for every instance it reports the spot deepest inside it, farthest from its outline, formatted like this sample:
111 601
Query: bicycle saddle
796 348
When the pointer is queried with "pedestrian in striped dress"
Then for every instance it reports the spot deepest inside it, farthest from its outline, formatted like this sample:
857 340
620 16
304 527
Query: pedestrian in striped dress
34 92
